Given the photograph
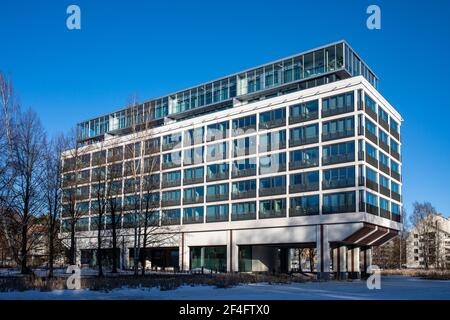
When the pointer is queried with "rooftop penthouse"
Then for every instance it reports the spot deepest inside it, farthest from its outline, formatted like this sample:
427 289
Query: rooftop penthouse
326 64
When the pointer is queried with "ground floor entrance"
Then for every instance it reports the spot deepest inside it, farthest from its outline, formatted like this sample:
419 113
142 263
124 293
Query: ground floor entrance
157 259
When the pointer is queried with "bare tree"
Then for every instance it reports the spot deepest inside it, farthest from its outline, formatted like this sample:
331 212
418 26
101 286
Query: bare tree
113 195
27 162
7 174
74 163
99 179
52 187
422 219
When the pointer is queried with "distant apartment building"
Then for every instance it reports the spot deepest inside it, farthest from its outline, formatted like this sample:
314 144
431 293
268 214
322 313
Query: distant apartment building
303 152
428 244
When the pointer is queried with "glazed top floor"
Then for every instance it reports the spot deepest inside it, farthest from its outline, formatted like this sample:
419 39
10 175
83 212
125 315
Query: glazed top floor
279 77
334 89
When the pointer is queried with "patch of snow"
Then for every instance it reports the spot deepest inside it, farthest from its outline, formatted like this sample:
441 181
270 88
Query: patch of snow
392 287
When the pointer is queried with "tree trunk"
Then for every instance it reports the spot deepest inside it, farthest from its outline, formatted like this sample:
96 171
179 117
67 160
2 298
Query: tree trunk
72 258
24 255
99 249
51 252
114 241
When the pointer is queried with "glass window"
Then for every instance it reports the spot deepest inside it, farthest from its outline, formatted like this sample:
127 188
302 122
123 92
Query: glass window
395 187
339 202
217 213
370 104
394 146
384 182
305 111
395 167
383 114
384 204
394 125
244 146
371 175
371 199
193 215
370 126
371 151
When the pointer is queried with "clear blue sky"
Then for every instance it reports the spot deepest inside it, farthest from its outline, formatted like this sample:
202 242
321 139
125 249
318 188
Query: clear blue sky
157 47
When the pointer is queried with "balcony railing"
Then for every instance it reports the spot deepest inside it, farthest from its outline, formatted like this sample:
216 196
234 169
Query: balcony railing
215 137
240 152
303 211
371 160
169 184
302 164
194 219
336 111
384 168
304 141
194 180
369 135
243 194
396 196
170 165
263 192
338 209
385 213
396 217
372 185
383 123
170 221
272 124
243 130
193 200
371 209
371 113
243 173
277 167
304 117
394 133
217 197
168 203
171 145
337 135
296 188
385 191
395 154
395 175
152 149
340 183
338 158
272 214
217 218
243 216
217 176
273 146
384 146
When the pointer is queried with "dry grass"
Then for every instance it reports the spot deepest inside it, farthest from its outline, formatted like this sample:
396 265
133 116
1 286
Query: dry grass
161 281
424 274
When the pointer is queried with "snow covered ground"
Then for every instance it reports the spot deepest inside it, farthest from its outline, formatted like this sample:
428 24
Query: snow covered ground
392 287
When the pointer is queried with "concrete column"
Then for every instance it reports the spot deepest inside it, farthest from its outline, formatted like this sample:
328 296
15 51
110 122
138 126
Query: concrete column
77 256
341 262
125 256
183 253
367 259
323 252
232 253
354 271
335 262
202 257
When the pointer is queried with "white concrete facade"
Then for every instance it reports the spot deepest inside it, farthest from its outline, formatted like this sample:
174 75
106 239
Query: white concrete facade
328 233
